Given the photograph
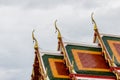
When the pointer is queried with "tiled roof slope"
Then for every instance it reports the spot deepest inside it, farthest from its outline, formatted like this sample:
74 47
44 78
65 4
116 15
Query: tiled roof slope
88 60
56 69
112 45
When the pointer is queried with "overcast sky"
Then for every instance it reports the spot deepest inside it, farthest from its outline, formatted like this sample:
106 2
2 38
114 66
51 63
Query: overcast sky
19 17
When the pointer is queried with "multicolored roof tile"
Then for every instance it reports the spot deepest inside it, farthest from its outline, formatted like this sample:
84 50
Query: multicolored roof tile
56 67
88 60
112 45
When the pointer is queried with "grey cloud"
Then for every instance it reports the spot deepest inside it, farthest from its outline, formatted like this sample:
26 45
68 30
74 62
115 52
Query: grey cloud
93 3
35 3
74 21
108 21
46 4
13 74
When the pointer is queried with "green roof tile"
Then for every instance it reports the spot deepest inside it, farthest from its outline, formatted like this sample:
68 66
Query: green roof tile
110 52
47 65
89 72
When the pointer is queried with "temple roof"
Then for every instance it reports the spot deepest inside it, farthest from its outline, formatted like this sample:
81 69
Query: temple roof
112 44
79 61
56 68
88 60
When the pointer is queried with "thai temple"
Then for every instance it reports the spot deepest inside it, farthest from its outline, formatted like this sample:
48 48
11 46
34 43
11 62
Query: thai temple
75 61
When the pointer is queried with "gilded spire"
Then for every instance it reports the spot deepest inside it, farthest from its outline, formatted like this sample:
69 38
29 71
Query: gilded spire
57 30
93 21
61 47
38 61
34 40
113 59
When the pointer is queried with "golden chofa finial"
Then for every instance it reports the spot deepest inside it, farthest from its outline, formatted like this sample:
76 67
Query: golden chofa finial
57 30
93 21
113 59
34 40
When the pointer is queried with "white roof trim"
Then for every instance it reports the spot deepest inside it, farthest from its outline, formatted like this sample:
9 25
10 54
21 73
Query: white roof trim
87 78
112 35
51 53
82 44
